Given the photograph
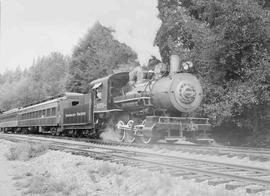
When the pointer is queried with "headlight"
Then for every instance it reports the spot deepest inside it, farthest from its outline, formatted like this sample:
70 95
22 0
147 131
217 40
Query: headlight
187 65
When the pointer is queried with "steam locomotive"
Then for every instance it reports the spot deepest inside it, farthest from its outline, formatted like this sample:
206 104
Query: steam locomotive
148 109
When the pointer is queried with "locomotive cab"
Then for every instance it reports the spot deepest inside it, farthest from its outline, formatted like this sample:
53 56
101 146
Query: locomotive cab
106 88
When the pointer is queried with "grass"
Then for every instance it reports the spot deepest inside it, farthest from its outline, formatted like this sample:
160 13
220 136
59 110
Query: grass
45 185
42 184
26 151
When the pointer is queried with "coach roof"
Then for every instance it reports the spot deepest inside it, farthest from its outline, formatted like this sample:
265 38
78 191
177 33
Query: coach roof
11 111
53 99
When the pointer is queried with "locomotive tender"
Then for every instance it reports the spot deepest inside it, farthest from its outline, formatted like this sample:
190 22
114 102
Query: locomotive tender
148 109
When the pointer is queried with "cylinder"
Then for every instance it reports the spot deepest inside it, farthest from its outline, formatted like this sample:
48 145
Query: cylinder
174 64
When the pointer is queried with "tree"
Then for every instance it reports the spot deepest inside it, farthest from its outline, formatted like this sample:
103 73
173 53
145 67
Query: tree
48 74
98 54
46 77
229 43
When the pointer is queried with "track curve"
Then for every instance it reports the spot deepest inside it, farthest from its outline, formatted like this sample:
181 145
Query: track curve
234 176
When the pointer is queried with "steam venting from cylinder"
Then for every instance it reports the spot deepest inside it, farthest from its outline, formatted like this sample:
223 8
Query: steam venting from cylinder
174 64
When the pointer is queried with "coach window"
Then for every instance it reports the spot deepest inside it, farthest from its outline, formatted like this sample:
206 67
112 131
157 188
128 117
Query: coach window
36 114
39 113
53 111
49 112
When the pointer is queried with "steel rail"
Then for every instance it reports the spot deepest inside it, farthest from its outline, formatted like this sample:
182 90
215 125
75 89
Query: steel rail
143 157
191 169
251 153
147 153
87 145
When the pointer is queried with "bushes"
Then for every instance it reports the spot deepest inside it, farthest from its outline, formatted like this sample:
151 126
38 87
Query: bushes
260 138
42 184
46 185
26 151
229 134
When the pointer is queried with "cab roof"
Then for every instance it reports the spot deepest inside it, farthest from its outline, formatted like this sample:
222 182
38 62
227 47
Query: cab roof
124 75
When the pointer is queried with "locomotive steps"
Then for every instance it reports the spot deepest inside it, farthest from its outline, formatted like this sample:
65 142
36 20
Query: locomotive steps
233 175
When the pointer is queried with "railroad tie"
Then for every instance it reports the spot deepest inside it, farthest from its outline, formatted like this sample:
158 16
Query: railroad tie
217 181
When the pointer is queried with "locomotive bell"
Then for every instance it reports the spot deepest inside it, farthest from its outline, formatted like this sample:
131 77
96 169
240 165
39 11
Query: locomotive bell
181 92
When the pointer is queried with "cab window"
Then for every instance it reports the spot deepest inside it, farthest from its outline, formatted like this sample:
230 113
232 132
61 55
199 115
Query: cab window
73 103
98 90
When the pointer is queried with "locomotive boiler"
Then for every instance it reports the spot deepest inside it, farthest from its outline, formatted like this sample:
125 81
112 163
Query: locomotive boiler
180 92
152 106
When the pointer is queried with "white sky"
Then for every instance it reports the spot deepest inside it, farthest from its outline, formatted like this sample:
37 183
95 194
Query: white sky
32 28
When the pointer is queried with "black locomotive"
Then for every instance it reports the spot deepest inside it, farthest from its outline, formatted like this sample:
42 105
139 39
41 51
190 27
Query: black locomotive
148 108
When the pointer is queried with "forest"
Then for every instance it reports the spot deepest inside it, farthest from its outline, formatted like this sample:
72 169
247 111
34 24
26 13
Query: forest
228 42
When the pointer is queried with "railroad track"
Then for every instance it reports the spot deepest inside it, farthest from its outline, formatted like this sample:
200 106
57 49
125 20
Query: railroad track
253 179
260 154
241 152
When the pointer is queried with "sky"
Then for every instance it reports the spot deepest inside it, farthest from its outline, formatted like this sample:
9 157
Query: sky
33 28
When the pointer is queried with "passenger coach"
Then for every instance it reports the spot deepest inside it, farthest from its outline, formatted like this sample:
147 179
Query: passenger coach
9 120
68 113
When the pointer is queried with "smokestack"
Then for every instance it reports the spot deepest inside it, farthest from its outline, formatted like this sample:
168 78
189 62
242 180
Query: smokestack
174 64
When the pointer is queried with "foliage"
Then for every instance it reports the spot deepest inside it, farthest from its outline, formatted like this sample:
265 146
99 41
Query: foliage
46 77
96 55
229 43
26 151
